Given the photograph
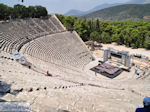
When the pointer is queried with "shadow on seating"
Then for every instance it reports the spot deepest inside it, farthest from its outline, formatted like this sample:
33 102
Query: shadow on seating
4 88
63 110
1 100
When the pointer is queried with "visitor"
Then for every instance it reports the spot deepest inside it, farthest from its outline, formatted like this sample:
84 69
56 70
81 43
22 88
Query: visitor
146 103
95 73
136 72
47 74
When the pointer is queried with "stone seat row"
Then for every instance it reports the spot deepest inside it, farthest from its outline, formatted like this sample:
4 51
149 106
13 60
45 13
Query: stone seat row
62 47
17 32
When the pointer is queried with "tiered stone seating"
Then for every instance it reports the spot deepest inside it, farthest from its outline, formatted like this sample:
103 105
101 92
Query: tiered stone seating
62 48
56 23
10 33
15 33
26 26
42 24
47 40
31 79
51 25
34 26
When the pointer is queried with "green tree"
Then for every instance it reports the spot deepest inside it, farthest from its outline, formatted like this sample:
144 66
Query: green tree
69 22
3 11
40 11
82 28
142 32
61 18
32 11
97 25
20 11
103 26
147 41
10 12
116 38
134 35
106 37
95 36
90 25
127 36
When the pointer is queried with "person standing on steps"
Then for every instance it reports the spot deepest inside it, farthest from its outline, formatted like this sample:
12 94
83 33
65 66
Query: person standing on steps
136 72
146 103
95 73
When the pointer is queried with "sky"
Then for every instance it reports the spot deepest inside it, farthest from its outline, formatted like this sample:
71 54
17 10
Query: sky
62 6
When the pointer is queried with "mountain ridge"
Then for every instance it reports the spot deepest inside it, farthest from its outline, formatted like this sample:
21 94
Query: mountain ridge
74 12
121 12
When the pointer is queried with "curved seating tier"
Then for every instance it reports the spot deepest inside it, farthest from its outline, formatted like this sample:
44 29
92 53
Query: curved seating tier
61 48
17 32
45 39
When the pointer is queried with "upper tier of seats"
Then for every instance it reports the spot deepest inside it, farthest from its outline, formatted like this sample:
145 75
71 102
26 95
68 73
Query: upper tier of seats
45 39
15 33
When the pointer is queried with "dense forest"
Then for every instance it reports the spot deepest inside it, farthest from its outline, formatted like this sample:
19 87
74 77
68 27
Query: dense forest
134 34
21 11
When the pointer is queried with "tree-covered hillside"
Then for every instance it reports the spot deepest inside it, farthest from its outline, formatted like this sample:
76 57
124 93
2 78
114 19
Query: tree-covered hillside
21 11
131 33
121 12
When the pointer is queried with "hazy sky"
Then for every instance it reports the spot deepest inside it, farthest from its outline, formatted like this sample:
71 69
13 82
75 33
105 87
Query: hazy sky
62 6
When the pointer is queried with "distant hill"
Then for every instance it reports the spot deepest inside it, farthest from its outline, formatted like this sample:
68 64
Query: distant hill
74 12
122 12
138 1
